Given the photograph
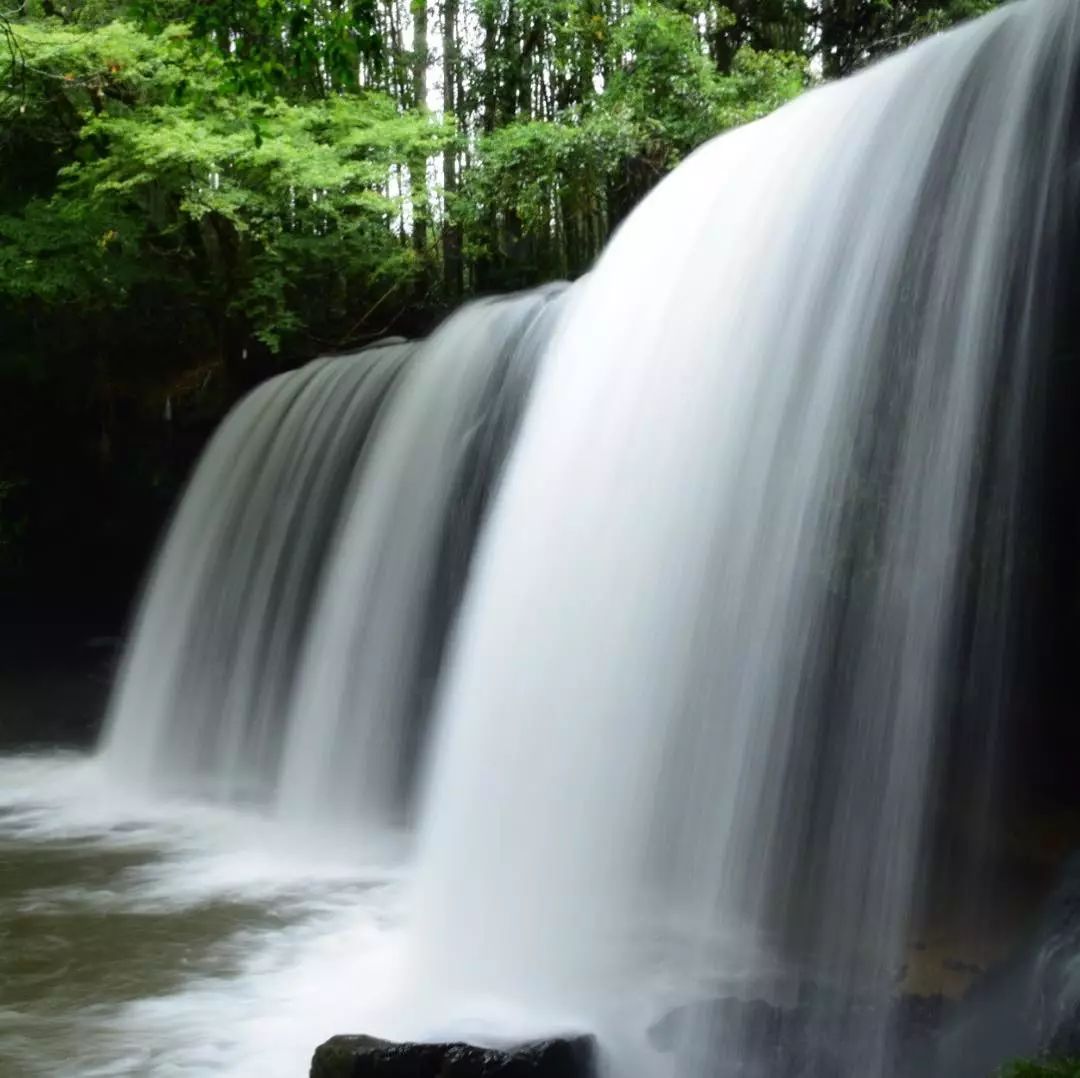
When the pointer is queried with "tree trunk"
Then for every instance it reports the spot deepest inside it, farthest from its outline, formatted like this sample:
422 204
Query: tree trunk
418 164
452 280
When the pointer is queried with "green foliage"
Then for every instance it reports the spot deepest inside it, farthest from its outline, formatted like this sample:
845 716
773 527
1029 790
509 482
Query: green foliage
663 83
663 98
935 19
193 194
312 46
231 160
759 83
1048 1068
673 96
223 198
854 32
537 171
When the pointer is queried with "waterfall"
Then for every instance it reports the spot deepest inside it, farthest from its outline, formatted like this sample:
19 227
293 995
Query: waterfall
398 566
198 705
304 592
668 701
689 739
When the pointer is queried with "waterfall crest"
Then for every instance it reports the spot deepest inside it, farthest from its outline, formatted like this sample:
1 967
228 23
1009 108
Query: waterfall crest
198 704
302 597
399 564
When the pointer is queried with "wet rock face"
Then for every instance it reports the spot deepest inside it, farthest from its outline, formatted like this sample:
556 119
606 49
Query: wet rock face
817 1038
54 686
348 1056
1065 1043
1029 1006
1055 983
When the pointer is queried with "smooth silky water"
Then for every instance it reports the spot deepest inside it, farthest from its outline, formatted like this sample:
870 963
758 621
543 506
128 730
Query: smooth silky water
409 743
215 887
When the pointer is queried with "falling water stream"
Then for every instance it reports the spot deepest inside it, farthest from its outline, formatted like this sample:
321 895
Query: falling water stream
657 714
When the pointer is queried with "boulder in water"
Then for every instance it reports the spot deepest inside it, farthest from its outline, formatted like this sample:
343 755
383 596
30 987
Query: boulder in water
358 1056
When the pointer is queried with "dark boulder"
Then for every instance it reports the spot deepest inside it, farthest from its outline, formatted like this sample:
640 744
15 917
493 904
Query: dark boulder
349 1056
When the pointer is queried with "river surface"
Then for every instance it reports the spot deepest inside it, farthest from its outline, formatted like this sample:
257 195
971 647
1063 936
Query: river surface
171 939
174 940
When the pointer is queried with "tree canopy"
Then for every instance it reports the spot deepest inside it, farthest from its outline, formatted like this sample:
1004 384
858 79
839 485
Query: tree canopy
195 193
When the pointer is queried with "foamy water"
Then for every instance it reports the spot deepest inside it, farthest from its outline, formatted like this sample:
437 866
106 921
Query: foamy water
170 938
175 939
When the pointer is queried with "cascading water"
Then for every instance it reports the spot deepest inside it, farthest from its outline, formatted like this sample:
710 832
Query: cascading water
757 531
200 697
399 564
689 737
361 479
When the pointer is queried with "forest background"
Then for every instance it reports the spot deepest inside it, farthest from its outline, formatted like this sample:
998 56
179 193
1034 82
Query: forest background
195 194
